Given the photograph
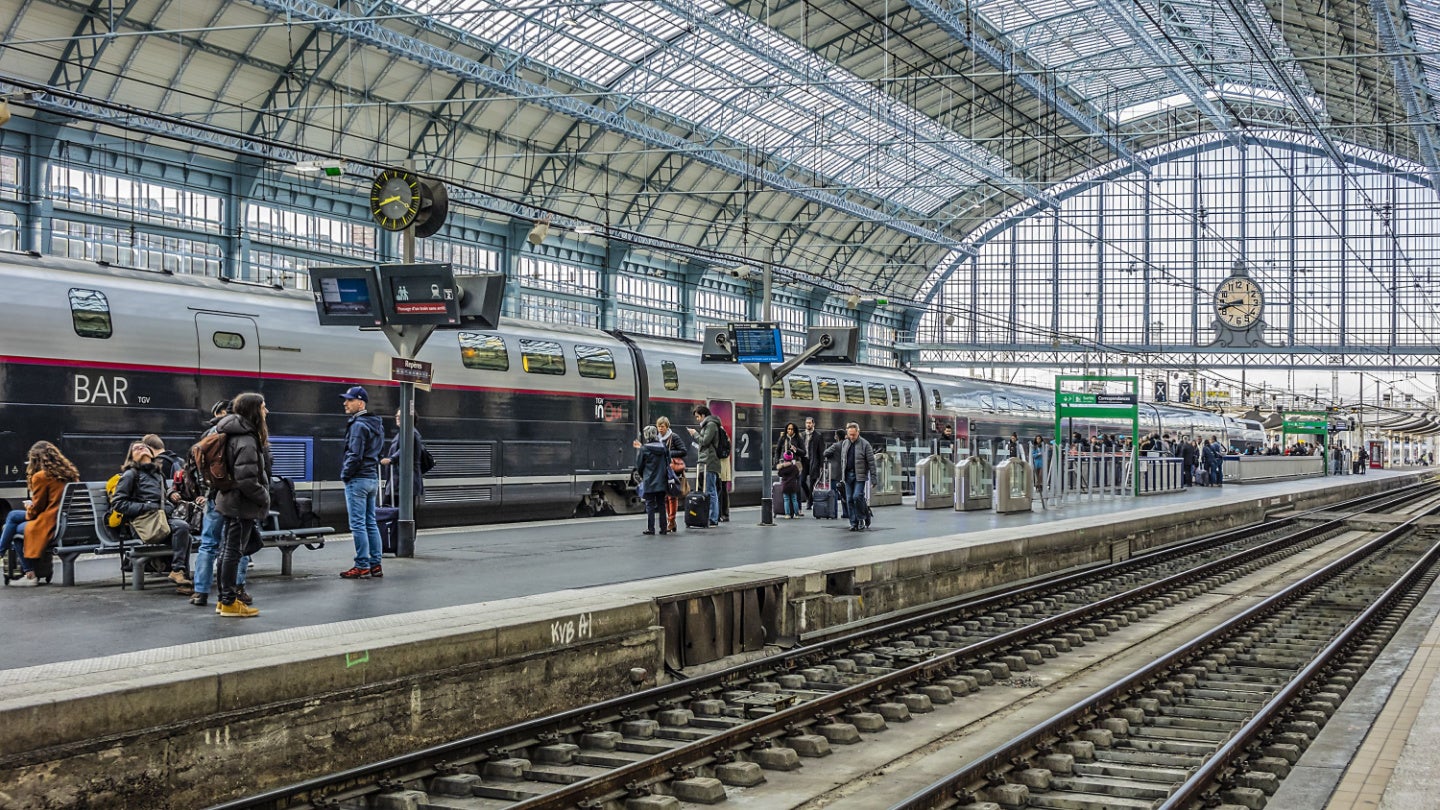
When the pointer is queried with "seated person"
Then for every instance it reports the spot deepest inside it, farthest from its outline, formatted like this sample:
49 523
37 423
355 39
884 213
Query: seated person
140 492
47 472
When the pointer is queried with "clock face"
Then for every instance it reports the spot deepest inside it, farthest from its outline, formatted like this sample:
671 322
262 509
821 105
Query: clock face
395 199
1238 302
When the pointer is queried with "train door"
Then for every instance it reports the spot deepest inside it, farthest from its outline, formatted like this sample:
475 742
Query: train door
229 360
724 410
1377 455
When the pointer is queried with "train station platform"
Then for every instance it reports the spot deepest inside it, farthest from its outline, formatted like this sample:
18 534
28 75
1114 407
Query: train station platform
489 625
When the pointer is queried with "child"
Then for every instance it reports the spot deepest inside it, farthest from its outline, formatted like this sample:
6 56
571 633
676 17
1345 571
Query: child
789 473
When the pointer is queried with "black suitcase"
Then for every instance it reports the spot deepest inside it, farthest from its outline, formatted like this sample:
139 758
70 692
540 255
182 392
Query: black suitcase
388 518
697 504
823 504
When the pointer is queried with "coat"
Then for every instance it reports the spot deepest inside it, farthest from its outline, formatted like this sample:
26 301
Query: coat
141 490
707 438
364 436
42 514
393 469
250 464
864 459
789 473
814 452
652 462
794 445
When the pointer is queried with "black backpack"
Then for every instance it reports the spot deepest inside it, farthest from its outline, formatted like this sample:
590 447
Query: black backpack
722 443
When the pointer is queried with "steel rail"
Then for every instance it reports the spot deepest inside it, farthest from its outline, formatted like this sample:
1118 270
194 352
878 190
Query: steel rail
956 787
331 789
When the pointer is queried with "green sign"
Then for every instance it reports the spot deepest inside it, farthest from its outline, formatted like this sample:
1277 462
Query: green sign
1080 404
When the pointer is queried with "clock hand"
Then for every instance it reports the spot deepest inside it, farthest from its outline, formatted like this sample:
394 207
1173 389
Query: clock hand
384 203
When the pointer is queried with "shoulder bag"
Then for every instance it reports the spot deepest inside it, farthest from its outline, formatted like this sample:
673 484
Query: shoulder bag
151 527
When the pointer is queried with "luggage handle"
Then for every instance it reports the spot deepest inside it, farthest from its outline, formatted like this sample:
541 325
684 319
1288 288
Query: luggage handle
700 478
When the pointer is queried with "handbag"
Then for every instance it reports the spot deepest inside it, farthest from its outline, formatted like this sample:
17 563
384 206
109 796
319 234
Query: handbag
672 485
151 527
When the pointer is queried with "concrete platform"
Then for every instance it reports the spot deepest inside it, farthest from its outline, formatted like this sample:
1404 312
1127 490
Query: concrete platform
138 699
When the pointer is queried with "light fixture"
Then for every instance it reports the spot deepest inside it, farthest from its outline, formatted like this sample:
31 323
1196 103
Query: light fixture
949 320
853 300
4 112
327 167
584 230
538 231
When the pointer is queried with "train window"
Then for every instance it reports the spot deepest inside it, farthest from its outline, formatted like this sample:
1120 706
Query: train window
829 389
908 402
936 393
894 396
854 392
777 391
485 352
877 395
593 361
669 373
801 388
90 312
541 357
228 340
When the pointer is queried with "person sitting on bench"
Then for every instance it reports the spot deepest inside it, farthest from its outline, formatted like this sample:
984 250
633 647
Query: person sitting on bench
139 495
47 472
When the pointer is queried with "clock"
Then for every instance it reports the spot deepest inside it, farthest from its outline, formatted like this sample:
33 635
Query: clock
395 199
1238 302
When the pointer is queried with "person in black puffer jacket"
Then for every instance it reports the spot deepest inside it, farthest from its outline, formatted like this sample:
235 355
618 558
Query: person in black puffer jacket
244 505
141 490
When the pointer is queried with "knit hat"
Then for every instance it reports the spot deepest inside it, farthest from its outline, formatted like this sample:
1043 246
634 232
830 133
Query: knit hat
789 457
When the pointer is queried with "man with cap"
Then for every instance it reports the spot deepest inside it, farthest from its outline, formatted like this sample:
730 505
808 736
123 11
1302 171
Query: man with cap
364 436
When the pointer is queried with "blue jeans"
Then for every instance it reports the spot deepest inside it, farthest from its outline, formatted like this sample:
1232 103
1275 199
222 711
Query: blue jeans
859 511
14 530
792 504
712 488
209 552
360 499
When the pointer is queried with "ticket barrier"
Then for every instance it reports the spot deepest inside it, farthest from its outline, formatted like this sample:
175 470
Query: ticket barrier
974 485
1016 486
934 483
886 490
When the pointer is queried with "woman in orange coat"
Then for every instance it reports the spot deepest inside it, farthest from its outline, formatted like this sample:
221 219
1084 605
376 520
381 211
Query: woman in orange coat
47 472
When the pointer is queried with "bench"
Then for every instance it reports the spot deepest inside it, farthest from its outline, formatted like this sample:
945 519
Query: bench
81 528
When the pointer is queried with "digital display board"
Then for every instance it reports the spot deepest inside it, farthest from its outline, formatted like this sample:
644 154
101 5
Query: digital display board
757 343
346 296
420 294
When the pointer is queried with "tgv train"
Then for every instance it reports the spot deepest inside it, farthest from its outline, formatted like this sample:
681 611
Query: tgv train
529 420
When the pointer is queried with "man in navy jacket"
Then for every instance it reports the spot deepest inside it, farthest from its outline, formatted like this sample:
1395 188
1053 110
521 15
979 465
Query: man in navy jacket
364 435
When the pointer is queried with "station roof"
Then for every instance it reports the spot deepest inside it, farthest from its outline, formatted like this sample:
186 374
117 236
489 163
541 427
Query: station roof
858 142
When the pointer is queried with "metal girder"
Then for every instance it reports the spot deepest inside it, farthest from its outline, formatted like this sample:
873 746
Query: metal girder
939 13
1397 37
1324 358
88 43
1123 16
439 59
813 69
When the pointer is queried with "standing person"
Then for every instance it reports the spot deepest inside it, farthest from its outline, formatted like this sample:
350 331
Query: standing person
707 439
857 458
391 462
142 491
791 442
789 473
652 462
364 435
47 472
727 475
835 469
1013 445
676 448
812 463
1188 456
211 528
244 505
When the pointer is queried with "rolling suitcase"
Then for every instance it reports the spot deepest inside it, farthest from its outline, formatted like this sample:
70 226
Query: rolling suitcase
388 519
777 498
823 502
697 503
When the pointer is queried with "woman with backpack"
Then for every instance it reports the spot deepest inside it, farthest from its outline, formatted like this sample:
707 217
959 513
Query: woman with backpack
246 502
47 472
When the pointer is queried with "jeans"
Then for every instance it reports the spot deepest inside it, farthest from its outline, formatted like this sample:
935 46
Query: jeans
855 493
655 505
792 504
237 530
712 488
209 552
360 505
179 544
14 530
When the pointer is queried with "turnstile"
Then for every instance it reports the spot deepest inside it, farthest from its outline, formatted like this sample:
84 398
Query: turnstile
1016 483
974 487
934 483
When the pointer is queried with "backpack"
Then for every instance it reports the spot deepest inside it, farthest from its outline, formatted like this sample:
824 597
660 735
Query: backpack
114 520
722 443
208 456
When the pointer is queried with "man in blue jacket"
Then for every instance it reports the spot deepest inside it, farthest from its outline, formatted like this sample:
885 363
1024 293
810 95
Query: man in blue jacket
364 435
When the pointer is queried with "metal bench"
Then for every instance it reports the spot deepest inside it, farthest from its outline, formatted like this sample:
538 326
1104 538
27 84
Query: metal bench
287 540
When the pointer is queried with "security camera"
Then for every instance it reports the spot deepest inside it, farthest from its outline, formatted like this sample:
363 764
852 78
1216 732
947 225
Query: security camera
741 273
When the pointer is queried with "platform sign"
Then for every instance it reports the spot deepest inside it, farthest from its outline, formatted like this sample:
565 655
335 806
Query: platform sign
757 342
1314 424
1183 395
1121 405
412 371
1161 389
419 294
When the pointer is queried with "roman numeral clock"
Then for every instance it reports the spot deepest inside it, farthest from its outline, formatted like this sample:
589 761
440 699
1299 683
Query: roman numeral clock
1239 307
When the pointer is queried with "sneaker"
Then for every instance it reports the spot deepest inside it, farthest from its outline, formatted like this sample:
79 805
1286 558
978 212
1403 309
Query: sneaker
375 572
245 597
649 531
184 590
179 578
355 573
26 582
199 599
237 610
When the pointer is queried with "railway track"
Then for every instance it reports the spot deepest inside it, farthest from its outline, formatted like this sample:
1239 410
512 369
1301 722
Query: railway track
691 740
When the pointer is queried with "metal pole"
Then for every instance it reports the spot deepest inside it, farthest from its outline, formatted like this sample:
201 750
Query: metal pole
405 496
767 412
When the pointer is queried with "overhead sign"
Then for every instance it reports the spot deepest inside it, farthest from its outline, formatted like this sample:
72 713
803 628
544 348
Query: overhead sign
411 371
346 296
757 342
1081 398
1161 389
419 294
1183 394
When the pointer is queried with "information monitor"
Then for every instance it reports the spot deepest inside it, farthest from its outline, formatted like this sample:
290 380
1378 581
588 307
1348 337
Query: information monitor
757 343
346 296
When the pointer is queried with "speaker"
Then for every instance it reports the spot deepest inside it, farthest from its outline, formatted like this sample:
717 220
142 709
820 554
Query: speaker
480 297
844 343
718 345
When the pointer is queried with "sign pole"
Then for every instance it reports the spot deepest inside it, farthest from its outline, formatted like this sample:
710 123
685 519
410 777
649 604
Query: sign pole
767 410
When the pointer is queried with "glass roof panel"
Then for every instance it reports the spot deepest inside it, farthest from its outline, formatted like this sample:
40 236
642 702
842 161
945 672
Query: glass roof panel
763 89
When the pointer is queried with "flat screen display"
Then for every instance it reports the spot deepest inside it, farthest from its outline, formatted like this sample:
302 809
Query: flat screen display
420 294
346 296
758 343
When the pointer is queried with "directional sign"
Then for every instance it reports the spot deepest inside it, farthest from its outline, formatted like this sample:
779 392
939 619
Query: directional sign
1184 392
1160 390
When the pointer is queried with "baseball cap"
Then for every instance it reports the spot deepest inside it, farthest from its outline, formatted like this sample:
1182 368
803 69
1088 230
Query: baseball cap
356 392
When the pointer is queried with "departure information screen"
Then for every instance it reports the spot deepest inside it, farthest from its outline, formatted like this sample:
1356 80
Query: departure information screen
757 343
346 296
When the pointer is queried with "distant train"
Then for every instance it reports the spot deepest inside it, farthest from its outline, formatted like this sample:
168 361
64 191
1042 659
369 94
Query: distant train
526 421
